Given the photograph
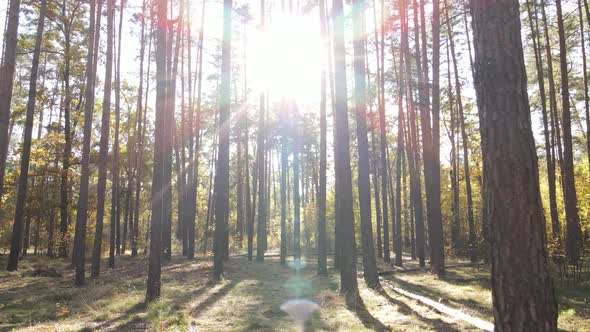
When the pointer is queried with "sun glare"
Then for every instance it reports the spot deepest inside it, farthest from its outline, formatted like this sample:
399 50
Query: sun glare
285 59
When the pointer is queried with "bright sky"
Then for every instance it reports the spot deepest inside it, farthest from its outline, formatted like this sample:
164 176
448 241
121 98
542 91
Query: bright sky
285 59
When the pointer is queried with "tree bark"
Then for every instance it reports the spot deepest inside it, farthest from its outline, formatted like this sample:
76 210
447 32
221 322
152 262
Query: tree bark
435 227
222 174
364 181
573 231
104 142
79 251
465 142
348 282
7 68
21 196
158 178
512 181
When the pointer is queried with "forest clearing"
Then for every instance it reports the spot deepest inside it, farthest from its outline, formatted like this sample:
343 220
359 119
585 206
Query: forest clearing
250 298
337 165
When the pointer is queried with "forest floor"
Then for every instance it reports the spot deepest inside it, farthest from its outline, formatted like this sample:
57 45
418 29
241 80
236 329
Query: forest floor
249 298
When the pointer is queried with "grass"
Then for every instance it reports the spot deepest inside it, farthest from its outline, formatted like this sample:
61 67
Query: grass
248 298
468 288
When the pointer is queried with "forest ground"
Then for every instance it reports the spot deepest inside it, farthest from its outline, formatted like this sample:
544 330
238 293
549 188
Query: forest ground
249 298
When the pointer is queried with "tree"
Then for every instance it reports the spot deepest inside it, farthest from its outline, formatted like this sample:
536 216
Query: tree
222 173
465 142
67 23
512 178
435 228
542 94
115 227
260 162
140 132
23 178
321 231
158 178
7 68
555 225
79 251
348 282
104 141
573 232
364 181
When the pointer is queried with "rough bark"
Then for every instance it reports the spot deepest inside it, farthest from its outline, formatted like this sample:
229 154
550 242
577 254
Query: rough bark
7 68
522 289
21 196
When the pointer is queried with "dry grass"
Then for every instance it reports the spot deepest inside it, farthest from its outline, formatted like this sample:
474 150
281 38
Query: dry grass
247 299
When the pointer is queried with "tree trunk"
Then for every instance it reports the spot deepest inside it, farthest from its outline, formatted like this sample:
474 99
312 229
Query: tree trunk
348 282
79 251
464 139
158 180
512 179
115 241
104 142
435 227
364 181
573 232
222 174
555 224
322 245
26 153
64 237
7 68
585 72
541 82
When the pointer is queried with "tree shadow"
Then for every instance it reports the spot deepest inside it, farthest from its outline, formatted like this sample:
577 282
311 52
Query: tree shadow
214 297
137 322
437 324
357 307
437 295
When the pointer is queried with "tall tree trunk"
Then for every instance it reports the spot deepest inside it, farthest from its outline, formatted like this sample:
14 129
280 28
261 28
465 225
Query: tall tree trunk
383 146
7 68
375 153
435 227
541 82
555 224
261 162
322 246
284 166
456 222
104 142
573 232
296 181
364 181
64 238
431 188
140 131
222 173
512 179
79 251
21 196
115 240
585 73
158 180
465 142
348 282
